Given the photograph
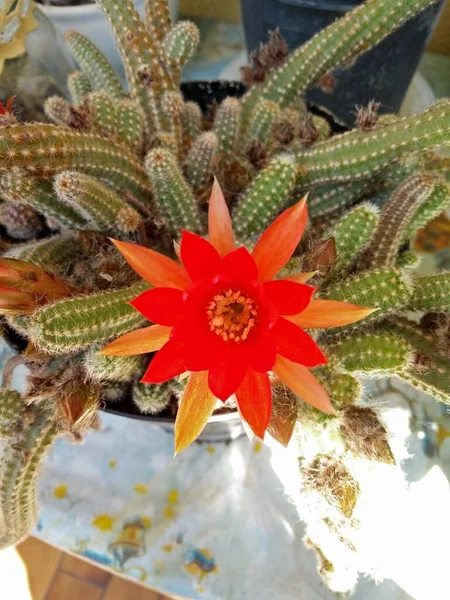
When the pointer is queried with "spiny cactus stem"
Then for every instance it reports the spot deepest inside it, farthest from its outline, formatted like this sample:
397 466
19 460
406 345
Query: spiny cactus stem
387 238
173 196
157 18
100 73
100 205
74 324
43 150
362 28
357 155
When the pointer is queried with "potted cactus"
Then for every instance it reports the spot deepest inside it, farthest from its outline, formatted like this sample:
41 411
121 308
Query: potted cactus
285 283
85 17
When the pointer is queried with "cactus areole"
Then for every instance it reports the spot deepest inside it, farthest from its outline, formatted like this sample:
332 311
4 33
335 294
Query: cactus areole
223 317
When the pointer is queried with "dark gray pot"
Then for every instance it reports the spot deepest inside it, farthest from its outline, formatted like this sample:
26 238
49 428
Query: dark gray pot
384 73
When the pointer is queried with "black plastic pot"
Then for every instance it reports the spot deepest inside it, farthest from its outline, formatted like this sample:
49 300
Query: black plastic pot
384 73
208 93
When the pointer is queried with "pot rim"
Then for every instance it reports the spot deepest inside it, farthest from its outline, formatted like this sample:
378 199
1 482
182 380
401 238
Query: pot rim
221 418
66 11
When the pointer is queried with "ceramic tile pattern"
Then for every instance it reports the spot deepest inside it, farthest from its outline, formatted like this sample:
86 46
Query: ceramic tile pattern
55 575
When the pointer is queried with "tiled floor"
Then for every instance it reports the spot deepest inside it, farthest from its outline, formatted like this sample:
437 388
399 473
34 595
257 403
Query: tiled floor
37 571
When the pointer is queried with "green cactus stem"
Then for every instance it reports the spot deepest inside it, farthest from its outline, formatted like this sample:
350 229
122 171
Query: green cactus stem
152 399
79 86
129 126
385 289
372 353
344 40
140 56
287 126
173 196
31 433
352 233
261 128
431 293
98 204
111 368
329 198
227 125
11 407
342 388
180 45
191 122
58 110
18 187
158 21
95 67
103 112
436 203
408 260
172 107
200 161
266 196
167 141
358 154
55 254
424 343
387 236
433 381
74 324
43 150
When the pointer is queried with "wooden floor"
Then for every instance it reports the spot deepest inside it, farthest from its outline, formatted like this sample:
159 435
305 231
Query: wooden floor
37 571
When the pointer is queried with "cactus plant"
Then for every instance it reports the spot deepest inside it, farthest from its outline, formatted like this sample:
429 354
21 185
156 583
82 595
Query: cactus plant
139 164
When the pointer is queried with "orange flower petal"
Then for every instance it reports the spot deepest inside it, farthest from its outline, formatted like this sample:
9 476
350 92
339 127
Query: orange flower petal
219 222
153 267
329 313
141 341
196 406
277 244
254 397
300 277
303 383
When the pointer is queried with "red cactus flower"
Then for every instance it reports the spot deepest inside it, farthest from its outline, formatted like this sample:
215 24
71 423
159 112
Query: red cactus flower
7 107
221 316
25 286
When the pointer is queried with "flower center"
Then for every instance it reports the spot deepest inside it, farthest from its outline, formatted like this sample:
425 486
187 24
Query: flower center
232 315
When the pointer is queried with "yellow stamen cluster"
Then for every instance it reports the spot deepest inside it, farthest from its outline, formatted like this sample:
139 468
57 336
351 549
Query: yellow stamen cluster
232 315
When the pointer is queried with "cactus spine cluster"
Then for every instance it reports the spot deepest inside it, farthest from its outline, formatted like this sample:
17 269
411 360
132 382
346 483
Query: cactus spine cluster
139 164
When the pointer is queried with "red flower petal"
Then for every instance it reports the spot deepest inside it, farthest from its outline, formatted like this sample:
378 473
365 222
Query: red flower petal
196 406
289 298
262 352
153 267
277 244
166 364
304 384
296 345
200 258
219 222
239 265
225 377
254 397
203 352
162 305
141 341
